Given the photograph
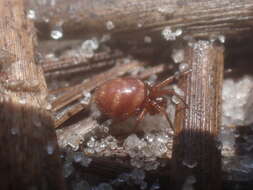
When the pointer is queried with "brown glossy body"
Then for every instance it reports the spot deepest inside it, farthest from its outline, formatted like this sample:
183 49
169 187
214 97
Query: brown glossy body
121 98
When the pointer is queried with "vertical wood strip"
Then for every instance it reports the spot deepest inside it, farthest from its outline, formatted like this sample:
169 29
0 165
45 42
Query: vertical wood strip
196 157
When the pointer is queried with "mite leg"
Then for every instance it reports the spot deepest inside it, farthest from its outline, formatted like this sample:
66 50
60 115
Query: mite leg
162 110
140 117
171 92
170 80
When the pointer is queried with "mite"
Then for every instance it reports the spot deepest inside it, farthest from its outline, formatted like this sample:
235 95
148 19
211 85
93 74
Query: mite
124 97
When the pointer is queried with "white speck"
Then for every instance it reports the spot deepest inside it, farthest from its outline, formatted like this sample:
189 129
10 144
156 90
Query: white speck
88 47
168 34
99 147
161 9
150 137
49 106
91 142
183 67
73 144
50 56
222 38
175 99
163 138
50 149
147 39
86 98
45 19
178 55
212 38
78 156
31 14
15 130
22 100
152 79
128 90
165 10
178 32
56 32
131 141
109 25
139 25
90 44
52 3
178 90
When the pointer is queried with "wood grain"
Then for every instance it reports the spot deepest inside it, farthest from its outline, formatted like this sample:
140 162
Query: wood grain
198 18
28 148
195 148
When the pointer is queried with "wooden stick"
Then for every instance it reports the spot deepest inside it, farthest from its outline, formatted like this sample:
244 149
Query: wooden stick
79 60
196 158
196 18
28 148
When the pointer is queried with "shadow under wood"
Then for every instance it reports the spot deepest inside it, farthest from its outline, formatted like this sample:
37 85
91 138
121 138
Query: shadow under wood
196 161
28 149
108 169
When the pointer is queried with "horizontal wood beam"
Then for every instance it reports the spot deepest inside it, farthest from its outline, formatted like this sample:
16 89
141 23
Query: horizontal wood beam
198 18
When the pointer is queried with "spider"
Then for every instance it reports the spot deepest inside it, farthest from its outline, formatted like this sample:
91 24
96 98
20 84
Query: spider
124 97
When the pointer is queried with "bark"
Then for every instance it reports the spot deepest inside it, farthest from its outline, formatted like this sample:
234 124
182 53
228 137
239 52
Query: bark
196 158
29 152
199 18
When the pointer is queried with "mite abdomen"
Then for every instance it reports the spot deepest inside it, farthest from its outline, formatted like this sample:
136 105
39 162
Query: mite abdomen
120 98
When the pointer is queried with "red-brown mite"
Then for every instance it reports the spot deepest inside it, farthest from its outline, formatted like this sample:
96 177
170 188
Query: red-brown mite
124 97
